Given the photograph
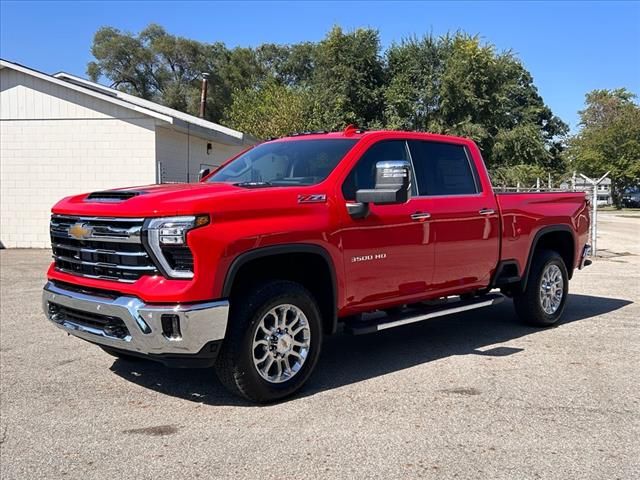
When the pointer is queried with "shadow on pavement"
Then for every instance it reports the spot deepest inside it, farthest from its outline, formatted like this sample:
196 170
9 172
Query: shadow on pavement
347 359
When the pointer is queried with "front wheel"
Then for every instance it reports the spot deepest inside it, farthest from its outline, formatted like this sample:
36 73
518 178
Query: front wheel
542 302
273 342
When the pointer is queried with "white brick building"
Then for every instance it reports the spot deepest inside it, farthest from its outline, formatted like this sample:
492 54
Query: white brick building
62 135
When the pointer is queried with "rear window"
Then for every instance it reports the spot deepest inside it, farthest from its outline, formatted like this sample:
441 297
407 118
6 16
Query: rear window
442 169
294 162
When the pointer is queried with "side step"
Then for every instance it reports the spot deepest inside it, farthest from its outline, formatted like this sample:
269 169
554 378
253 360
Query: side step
374 323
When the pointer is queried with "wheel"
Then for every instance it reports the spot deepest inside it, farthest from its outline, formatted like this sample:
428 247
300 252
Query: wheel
273 342
120 354
543 301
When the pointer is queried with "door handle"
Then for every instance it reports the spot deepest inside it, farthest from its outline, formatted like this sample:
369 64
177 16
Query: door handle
418 216
487 211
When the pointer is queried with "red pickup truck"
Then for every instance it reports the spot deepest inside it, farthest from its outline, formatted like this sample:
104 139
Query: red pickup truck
247 270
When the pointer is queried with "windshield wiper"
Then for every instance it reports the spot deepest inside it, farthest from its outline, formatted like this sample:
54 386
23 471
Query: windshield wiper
253 184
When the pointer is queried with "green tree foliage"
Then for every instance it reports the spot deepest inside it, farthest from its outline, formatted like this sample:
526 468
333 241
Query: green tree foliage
457 85
348 78
271 110
609 139
522 174
412 96
168 69
452 84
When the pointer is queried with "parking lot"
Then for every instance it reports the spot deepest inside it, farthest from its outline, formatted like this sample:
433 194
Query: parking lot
476 395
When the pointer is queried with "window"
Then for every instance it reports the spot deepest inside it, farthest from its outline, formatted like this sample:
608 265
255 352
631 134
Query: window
292 162
363 174
442 169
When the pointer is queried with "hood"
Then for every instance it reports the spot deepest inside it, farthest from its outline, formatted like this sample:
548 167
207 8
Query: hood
148 200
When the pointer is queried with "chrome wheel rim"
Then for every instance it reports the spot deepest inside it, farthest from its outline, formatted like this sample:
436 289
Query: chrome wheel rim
551 289
281 343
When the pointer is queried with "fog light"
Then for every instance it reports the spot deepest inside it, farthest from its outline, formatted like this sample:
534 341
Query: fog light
115 330
171 327
54 313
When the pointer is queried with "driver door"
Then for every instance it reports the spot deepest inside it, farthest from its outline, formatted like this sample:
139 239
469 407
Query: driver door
388 255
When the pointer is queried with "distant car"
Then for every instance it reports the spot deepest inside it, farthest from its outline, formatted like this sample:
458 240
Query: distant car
631 200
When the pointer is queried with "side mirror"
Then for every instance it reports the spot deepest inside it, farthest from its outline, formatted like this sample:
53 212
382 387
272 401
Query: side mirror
203 173
393 184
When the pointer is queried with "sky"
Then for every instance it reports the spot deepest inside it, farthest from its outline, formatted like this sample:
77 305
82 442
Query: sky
569 47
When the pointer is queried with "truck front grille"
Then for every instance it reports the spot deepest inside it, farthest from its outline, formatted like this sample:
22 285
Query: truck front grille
102 248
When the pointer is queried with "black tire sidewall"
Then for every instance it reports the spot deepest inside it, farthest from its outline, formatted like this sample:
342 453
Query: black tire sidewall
264 299
542 317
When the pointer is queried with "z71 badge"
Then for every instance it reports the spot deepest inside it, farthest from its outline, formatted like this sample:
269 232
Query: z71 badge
312 198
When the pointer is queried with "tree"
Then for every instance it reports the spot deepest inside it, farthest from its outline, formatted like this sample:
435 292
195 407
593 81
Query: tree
609 139
270 110
414 71
348 79
167 69
453 84
512 175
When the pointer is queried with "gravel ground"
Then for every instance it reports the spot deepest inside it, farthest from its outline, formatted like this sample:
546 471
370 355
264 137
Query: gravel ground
475 395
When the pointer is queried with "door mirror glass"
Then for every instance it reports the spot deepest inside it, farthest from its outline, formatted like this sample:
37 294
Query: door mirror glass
393 184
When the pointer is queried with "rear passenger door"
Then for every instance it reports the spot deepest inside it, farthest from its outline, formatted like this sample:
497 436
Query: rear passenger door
464 219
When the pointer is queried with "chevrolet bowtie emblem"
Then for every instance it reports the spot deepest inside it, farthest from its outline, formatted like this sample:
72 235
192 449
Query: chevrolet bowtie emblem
80 231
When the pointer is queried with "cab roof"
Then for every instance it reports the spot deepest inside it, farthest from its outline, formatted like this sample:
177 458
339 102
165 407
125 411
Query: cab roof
357 133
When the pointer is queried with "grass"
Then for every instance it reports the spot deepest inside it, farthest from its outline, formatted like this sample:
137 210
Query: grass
618 210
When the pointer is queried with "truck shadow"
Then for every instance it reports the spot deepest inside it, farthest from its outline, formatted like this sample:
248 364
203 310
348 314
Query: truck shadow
350 359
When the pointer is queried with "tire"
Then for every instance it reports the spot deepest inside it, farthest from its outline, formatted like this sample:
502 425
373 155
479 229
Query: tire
121 355
529 304
236 365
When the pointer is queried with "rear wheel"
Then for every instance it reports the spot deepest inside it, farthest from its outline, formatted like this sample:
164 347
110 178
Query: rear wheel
543 301
273 342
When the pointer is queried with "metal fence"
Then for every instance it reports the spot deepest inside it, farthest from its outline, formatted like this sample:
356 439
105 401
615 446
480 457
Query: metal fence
589 186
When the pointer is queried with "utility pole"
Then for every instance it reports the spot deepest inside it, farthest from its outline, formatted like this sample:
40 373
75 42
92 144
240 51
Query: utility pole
203 94
594 215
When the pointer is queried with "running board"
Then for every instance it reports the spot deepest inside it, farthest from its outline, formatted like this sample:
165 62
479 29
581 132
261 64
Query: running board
418 315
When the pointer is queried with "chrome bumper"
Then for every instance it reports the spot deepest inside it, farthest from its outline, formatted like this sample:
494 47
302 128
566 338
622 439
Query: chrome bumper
197 324
584 260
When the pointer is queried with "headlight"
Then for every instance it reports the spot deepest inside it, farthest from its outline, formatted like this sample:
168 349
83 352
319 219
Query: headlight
166 239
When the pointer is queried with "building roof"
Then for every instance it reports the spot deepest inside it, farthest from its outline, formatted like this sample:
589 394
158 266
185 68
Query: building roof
582 181
179 120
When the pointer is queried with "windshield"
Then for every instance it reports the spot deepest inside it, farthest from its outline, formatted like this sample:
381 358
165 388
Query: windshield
295 162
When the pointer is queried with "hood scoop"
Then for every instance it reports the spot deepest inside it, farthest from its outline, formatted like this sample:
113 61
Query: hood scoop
113 196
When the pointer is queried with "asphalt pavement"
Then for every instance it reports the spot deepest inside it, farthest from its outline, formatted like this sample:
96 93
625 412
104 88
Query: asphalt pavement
475 395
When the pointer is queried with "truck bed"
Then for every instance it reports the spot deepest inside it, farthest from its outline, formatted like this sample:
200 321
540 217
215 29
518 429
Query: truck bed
525 214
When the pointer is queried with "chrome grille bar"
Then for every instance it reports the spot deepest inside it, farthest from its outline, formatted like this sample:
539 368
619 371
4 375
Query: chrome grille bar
102 248
96 277
104 264
97 219
99 251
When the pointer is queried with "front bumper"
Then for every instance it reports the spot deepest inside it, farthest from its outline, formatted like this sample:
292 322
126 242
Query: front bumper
127 324
584 260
